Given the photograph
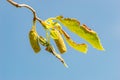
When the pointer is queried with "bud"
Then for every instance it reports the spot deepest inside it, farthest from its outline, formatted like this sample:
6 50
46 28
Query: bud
43 41
59 42
33 37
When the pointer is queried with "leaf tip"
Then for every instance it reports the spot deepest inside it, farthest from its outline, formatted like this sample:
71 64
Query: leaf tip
65 65
101 48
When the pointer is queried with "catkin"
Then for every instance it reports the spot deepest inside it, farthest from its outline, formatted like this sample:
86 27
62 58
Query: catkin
33 37
60 42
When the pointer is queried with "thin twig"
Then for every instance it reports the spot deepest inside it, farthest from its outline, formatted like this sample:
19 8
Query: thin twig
51 50
26 6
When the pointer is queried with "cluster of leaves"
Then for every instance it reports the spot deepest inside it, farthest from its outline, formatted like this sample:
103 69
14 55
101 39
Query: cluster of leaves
54 31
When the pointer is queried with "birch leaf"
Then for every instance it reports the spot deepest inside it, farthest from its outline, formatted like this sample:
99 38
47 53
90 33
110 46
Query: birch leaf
82 30
59 41
33 37
80 47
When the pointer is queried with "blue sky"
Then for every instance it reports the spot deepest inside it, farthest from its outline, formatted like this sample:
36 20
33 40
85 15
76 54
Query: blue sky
19 62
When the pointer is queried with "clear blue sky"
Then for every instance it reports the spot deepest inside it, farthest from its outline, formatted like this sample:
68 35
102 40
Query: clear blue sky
19 62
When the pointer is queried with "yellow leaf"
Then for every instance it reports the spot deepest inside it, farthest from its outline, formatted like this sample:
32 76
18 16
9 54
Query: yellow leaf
82 30
45 25
53 34
43 41
80 47
33 37
59 41
57 26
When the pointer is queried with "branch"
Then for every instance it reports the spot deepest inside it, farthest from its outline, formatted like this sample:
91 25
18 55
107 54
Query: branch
26 6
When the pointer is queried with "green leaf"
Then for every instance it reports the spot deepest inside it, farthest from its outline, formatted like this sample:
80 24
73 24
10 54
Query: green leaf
81 30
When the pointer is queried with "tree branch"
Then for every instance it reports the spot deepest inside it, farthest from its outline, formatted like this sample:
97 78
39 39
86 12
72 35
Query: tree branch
26 6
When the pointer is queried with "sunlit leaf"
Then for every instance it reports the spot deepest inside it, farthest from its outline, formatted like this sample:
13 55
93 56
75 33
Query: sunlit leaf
33 37
59 41
53 34
82 30
76 46
80 47
52 24
45 25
